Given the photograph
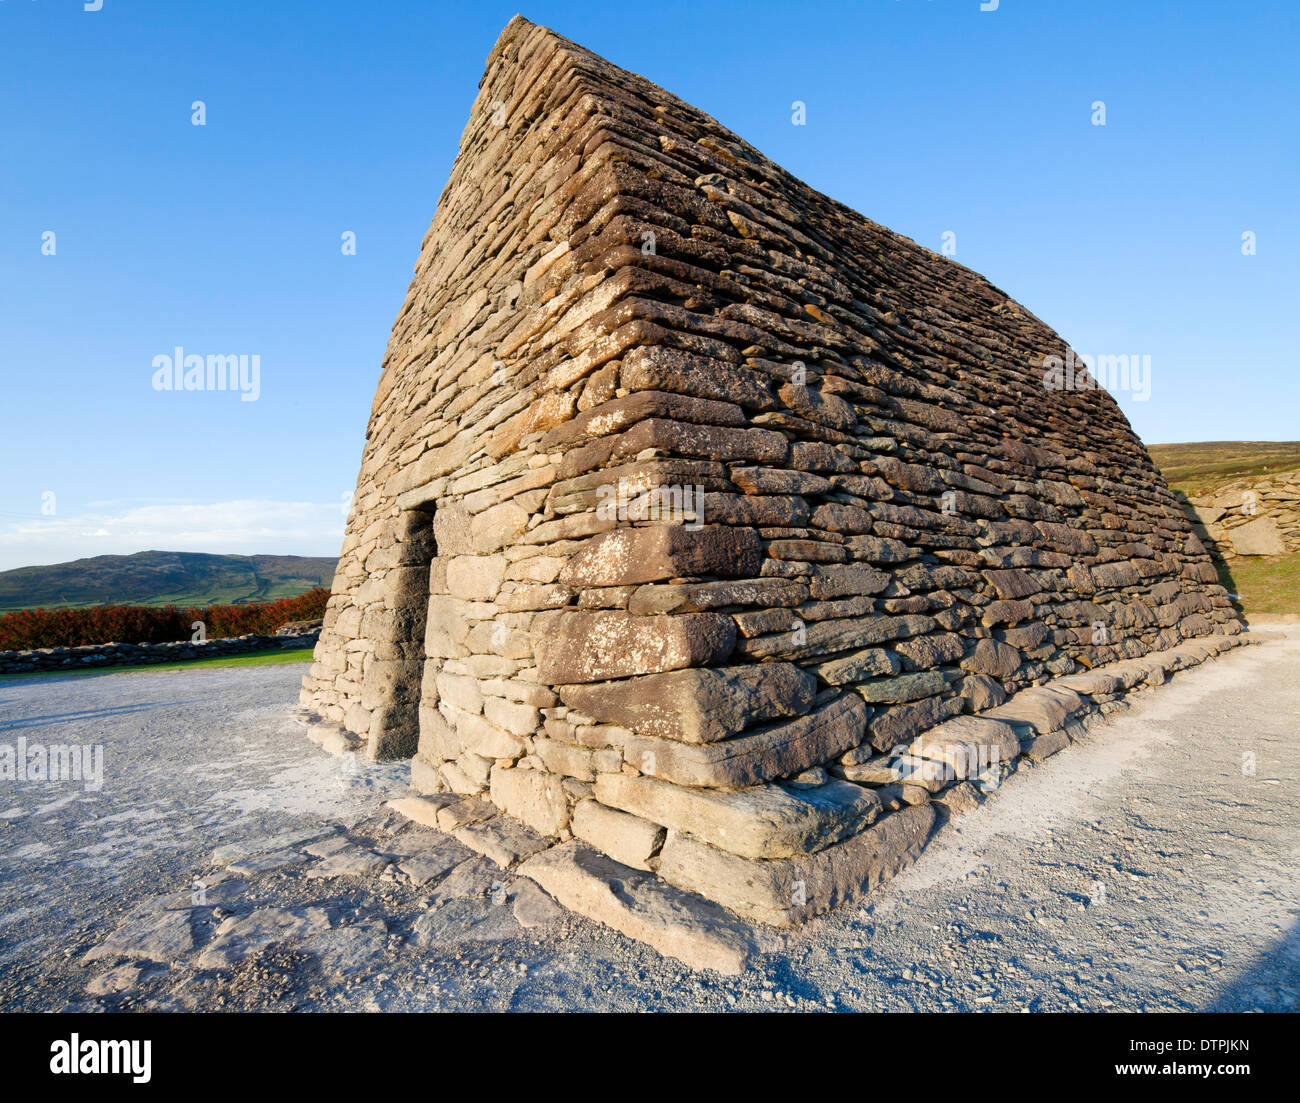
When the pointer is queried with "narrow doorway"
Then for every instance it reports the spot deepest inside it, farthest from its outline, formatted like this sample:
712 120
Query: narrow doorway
394 671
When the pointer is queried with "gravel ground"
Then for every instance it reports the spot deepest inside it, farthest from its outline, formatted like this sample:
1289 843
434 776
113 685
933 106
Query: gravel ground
192 759
1153 866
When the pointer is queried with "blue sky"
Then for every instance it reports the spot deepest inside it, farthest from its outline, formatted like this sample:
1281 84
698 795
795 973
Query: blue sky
324 117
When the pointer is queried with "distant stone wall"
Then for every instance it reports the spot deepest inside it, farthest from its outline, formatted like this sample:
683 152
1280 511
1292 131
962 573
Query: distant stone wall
94 656
686 487
1249 517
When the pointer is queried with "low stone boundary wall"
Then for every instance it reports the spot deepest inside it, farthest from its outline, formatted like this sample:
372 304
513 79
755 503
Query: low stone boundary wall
1247 517
140 654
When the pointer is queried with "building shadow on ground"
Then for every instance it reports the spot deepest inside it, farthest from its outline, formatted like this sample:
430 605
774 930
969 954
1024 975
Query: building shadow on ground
23 723
1270 983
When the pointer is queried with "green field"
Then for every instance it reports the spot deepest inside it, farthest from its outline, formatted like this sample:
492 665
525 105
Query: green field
1264 584
1194 468
257 658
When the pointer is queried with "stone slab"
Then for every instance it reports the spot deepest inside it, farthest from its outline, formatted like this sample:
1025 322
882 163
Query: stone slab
623 836
596 647
240 937
969 744
224 855
753 758
678 924
504 840
700 705
791 890
535 798
432 864
149 934
767 821
638 555
424 809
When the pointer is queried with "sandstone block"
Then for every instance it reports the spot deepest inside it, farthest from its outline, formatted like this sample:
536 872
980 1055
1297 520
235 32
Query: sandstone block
1038 710
461 812
959 799
565 759
458 781
701 596
627 556
901 688
667 369
1012 584
480 736
858 667
768 821
751 759
790 890
832 582
969 744
497 527
699 705
516 718
981 692
423 809
425 778
927 652
828 636
991 657
575 647
901 723
535 798
460 692
476 577
1044 746
643 907
628 839
502 840
1258 537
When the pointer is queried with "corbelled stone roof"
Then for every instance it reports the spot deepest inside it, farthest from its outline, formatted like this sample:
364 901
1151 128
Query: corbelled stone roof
691 497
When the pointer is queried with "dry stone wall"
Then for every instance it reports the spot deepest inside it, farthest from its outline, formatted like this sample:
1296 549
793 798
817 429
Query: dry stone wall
141 654
693 503
1247 517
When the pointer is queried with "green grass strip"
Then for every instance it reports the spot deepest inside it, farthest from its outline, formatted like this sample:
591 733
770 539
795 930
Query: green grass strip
256 658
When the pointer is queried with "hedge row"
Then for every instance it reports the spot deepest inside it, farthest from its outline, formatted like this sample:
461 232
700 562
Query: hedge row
25 629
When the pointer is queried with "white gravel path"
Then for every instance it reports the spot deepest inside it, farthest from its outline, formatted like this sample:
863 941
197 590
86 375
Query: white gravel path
1146 867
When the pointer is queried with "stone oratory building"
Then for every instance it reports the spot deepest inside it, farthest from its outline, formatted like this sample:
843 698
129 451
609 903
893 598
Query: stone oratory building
712 532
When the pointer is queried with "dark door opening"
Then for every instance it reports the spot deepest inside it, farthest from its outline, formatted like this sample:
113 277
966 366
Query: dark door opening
394 671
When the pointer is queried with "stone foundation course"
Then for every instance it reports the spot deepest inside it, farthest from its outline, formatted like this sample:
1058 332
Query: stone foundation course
712 544
701 874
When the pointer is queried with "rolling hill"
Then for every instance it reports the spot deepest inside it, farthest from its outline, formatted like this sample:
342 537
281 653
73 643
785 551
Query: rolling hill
1193 468
160 578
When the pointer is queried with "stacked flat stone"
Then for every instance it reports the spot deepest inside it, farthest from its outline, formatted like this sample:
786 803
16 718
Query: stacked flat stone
852 515
1246 517
141 654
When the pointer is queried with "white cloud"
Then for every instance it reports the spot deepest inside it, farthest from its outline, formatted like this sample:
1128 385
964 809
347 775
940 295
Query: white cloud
244 527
